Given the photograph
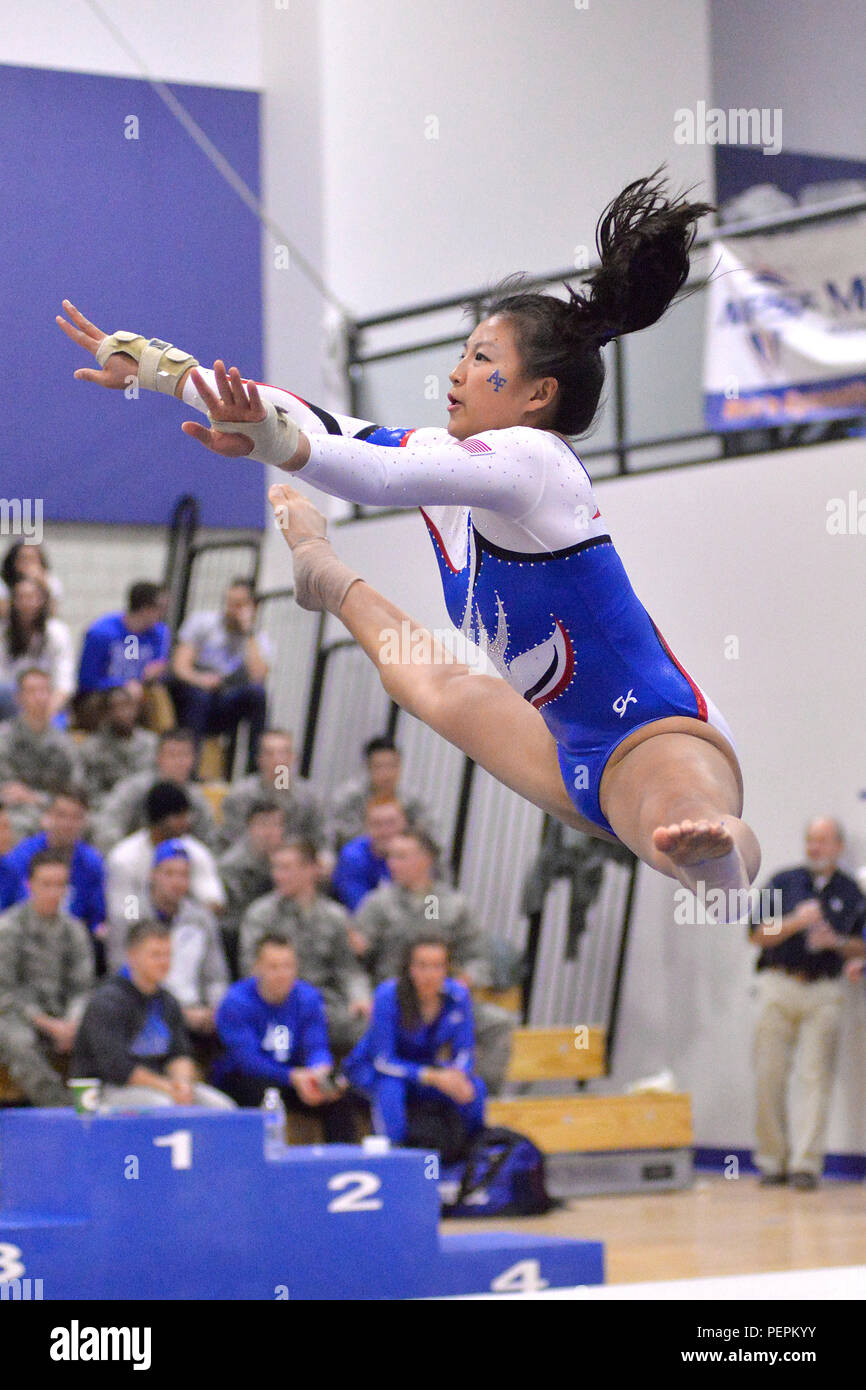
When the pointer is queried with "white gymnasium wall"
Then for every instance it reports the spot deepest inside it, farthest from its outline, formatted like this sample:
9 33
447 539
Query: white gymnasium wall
541 113
805 59
728 550
197 41
544 111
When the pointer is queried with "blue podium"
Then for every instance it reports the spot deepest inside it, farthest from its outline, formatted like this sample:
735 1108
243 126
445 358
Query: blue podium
183 1204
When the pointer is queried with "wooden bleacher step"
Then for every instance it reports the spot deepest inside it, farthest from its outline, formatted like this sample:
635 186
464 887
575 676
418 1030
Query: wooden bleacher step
557 1054
598 1124
593 1143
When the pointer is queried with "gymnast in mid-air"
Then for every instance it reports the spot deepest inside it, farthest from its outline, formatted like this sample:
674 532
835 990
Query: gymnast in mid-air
596 721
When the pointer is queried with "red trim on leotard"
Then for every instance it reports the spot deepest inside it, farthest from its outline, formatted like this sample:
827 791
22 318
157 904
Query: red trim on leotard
701 702
404 440
565 678
437 537
282 388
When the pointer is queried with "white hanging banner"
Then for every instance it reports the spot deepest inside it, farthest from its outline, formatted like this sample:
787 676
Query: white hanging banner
786 328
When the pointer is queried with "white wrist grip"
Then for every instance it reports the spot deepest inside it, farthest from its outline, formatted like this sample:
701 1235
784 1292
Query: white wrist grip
275 439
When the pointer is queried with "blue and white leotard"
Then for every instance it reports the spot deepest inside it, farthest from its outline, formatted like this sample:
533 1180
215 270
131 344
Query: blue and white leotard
529 572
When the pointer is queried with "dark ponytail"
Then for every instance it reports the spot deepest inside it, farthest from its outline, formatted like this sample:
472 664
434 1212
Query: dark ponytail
643 240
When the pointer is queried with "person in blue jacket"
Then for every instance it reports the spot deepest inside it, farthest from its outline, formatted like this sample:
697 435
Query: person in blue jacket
419 1048
10 881
65 822
129 649
362 863
275 1034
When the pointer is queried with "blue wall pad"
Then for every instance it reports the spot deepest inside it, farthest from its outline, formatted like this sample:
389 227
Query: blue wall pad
140 234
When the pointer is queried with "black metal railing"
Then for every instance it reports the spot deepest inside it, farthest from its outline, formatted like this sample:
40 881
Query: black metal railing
181 535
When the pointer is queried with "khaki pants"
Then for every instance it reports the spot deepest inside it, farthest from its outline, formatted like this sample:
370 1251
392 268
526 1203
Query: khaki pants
791 1012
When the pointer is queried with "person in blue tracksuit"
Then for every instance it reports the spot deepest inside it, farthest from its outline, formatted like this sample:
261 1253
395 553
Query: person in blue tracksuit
275 1034
419 1048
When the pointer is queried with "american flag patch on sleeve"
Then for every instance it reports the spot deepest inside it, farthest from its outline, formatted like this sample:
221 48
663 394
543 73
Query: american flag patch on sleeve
474 446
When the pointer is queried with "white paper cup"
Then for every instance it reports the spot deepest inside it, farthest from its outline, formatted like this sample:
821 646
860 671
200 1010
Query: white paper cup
376 1143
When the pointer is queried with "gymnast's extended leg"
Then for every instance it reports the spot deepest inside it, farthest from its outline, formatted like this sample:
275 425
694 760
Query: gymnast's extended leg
479 714
673 799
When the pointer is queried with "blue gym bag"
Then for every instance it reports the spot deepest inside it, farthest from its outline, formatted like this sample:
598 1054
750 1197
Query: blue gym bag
502 1175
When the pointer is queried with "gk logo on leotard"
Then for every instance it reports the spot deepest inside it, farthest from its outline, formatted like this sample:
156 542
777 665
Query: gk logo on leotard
622 704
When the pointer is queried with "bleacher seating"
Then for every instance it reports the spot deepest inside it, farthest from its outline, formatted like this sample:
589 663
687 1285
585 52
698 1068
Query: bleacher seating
584 1123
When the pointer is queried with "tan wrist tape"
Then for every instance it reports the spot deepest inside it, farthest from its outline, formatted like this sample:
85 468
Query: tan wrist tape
160 365
275 439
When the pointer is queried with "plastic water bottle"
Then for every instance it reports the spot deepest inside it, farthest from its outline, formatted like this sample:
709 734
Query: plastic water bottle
274 1118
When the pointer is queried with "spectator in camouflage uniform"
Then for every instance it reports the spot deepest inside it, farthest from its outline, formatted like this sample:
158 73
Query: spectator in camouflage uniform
120 748
297 911
35 758
123 810
415 902
275 782
46 973
382 783
245 870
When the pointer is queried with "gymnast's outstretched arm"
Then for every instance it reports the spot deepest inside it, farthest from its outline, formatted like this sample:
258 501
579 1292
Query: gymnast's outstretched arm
120 369
312 419
500 469
503 470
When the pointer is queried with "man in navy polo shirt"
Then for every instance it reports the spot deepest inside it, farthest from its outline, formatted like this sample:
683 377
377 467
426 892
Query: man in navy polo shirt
65 822
803 952
275 1034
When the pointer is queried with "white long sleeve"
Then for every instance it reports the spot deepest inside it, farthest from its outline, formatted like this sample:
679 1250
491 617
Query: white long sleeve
520 475
311 419
502 471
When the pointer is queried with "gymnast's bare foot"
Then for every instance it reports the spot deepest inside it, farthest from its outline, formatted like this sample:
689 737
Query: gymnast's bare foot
295 515
321 579
691 842
705 858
